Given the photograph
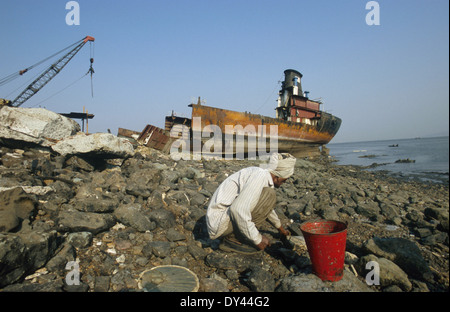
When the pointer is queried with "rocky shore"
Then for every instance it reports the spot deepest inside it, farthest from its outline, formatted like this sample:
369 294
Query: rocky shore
103 218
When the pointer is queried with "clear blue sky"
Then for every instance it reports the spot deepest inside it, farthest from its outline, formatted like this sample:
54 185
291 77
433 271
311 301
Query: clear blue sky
151 56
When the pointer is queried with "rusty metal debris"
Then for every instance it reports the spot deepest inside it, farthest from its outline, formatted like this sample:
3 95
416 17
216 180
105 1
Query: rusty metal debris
300 127
156 138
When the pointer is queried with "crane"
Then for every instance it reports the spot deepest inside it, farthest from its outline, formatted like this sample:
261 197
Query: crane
48 74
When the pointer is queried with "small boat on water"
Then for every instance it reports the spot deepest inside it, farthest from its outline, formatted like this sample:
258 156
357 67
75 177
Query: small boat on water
300 127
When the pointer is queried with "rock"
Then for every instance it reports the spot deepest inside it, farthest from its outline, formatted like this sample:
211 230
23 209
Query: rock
113 181
415 216
402 252
213 284
78 163
329 213
132 215
169 176
123 280
434 239
32 190
188 172
309 208
407 160
260 280
393 288
390 274
12 160
179 197
350 258
305 164
210 187
22 253
156 201
47 287
389 211
15 206
102 283
238 262
197 252
80 239
423 232
369 209
136 189
198 200
358 197
439 214
383 188
143 182
101 204
99 144
290 192
118 217
82 287
160 249
301 283
308 282
35 125
232 274
164 218
76 221
419 286
123 244
59 261
399 198
174 236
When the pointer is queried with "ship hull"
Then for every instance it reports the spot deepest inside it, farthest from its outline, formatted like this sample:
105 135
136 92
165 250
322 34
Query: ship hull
300 128
299 139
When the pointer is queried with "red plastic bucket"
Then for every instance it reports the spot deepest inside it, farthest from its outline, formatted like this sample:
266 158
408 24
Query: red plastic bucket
326 242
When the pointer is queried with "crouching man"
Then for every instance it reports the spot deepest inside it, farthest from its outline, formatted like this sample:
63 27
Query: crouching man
244 201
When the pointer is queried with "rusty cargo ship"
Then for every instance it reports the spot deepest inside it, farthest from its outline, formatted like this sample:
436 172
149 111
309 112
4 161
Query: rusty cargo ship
300 127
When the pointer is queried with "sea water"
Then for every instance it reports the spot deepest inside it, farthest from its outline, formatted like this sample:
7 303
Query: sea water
426 159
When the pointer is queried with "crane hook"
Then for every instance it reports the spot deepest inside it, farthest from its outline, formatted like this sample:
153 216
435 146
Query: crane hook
91 71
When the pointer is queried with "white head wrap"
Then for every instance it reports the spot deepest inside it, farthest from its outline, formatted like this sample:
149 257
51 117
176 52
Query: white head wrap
282 165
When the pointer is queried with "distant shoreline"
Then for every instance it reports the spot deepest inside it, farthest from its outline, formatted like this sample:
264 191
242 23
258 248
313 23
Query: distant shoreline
388 140
424 159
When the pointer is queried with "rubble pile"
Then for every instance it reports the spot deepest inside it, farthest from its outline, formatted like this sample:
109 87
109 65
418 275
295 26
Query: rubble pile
111 211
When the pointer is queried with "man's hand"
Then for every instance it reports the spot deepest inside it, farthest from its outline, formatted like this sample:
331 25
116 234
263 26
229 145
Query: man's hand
264 243
285 238
284 232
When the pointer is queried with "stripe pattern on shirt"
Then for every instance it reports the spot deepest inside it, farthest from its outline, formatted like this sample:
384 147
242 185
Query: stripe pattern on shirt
235 199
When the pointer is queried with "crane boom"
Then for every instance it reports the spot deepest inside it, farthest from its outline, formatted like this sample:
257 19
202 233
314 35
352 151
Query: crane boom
48 74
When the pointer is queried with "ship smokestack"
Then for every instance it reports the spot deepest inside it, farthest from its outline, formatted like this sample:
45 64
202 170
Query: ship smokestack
292 81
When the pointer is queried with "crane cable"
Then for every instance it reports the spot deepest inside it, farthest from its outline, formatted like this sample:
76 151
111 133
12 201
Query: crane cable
68 86
15 75
268 98
91 69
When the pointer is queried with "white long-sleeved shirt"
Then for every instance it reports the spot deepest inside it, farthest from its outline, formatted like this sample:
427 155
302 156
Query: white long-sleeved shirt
236 198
